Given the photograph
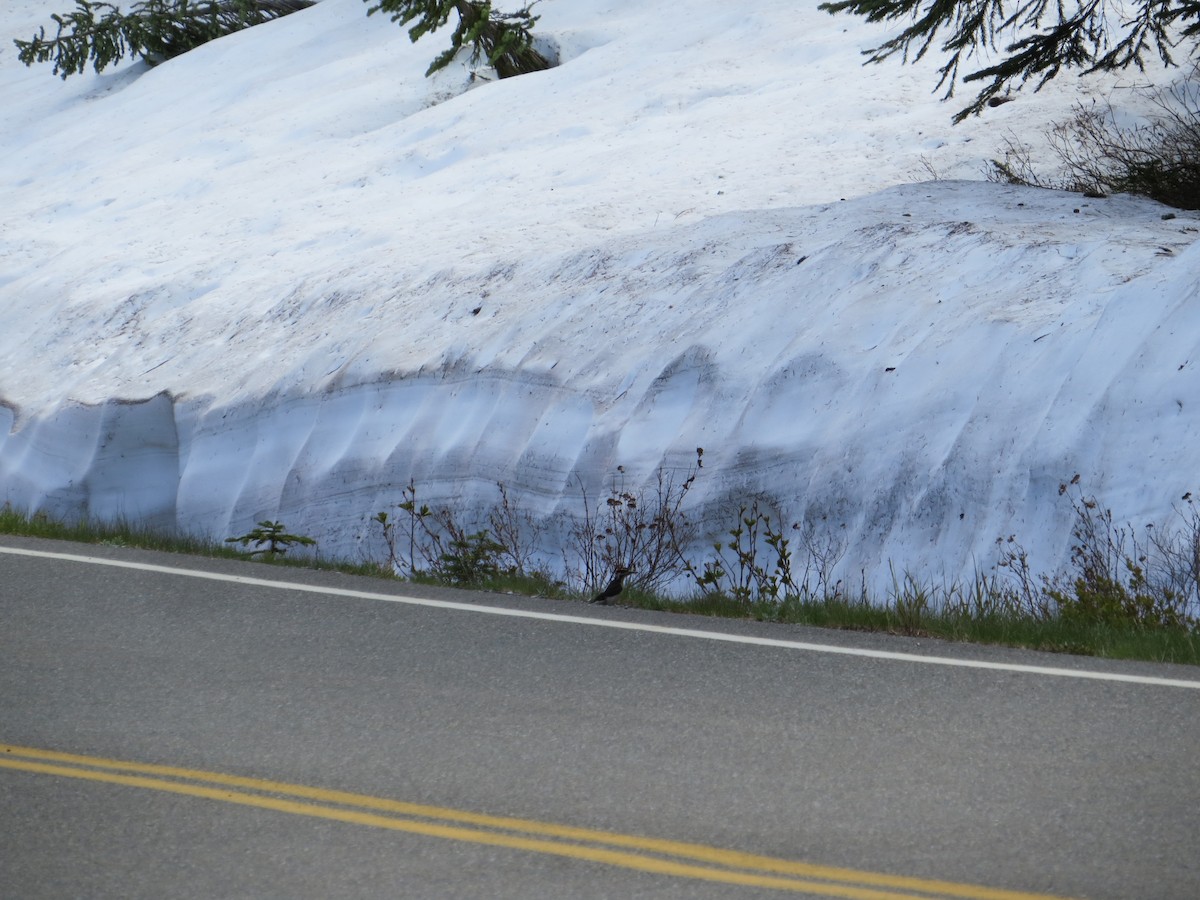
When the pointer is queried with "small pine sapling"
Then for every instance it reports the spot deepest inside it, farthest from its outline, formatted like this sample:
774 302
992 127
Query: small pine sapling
274 536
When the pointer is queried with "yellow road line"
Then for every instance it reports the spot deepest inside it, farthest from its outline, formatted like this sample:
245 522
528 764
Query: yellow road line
529 835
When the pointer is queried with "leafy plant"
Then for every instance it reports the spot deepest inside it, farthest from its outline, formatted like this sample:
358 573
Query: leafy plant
1114 579
274 536
759 564
156 30
738 568
440 547
1111 581
397 561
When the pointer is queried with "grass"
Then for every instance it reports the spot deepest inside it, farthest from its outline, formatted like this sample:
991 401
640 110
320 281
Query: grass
120 533
967 626
945 613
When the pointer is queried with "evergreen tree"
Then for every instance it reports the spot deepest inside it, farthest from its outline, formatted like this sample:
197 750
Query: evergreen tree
274 535
155 30
1047 36
504 40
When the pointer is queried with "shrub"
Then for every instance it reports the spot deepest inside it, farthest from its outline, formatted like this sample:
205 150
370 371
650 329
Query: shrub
441 548
740 569
765 562
1111 576
642 530
1158 158
1114 578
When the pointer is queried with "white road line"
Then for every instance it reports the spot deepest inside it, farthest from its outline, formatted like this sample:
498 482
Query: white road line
622 626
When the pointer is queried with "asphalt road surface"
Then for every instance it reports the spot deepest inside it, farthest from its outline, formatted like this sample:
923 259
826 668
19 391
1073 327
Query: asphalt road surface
240 730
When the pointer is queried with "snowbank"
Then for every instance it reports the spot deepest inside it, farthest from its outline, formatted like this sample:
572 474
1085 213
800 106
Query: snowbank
284 274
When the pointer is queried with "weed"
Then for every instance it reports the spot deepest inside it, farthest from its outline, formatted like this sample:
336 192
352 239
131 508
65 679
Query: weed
757 566
1114 579
1111 583
441 548
643 531
910 601
1123 596
517 533
1022 593
397 562
742 568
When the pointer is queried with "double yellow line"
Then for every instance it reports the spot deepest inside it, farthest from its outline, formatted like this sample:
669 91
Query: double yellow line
643 854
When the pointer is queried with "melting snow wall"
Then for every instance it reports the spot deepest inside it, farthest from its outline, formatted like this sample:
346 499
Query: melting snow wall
908 380
116 460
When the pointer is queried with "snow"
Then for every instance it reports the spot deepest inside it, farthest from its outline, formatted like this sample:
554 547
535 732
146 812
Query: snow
284 274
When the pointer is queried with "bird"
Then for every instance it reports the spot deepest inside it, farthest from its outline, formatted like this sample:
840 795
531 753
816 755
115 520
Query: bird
614 586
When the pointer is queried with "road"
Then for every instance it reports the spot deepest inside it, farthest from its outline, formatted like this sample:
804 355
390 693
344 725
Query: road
242 730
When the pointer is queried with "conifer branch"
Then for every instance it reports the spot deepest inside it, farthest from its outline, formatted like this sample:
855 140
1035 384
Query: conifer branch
503 40
1045 37
101 34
